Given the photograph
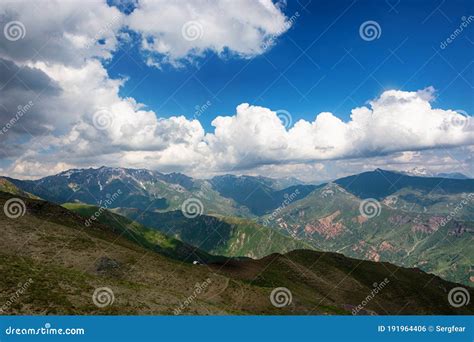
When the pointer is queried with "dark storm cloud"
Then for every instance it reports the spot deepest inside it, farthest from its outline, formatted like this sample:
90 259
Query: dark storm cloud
24 97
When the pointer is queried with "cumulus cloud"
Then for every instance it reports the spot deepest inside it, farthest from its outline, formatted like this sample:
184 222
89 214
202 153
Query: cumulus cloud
23 86
255 136
35 169
396 121
79 117
175 30
66 32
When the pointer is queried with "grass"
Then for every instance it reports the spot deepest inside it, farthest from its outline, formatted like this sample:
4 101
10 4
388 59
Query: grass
41 245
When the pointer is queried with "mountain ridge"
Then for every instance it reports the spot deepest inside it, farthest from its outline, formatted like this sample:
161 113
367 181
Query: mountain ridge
424 221
67 262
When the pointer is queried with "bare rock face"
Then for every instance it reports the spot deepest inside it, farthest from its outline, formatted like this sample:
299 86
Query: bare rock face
326 226
108 266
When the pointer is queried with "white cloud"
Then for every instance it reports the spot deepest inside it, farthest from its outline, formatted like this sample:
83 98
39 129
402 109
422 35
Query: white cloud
407 156
176 30
75 86
66 32
58 65
396 121
36 169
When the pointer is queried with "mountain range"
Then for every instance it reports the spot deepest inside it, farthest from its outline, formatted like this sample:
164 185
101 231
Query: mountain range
423 172
424 222
59 263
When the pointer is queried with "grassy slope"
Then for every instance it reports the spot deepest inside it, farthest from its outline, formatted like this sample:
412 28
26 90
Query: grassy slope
147 237
253 240
52 246
154 194
218 235
327 277
64 260
7 186
442 252
435 203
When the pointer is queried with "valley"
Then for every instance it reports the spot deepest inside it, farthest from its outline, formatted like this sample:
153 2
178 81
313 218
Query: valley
411 221
65 262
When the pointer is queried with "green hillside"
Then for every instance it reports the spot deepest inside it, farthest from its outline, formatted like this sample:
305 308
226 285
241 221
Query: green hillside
65 262
330 219
147 237
7 186
217 235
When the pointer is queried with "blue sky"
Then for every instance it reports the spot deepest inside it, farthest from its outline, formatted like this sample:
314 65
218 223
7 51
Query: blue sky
320 64
298 88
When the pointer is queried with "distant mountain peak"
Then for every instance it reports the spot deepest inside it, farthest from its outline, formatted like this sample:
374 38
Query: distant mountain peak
419 171
381 183
452 175
424 172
